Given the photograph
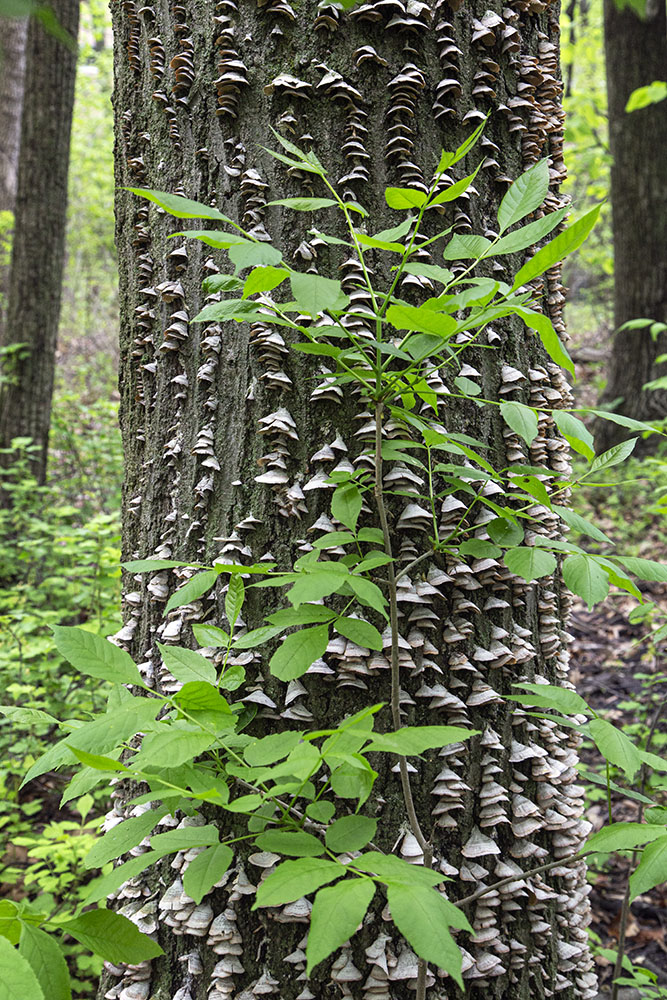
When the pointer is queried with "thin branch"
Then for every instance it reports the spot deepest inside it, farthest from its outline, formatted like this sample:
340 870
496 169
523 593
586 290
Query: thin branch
519 875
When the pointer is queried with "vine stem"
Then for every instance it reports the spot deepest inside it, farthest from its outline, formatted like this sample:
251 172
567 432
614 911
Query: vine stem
625 910
415 826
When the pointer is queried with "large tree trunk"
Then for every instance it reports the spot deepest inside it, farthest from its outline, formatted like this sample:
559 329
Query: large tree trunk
12 72
219 425
636 54
38 250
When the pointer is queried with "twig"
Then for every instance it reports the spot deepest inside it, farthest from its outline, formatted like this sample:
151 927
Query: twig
519 875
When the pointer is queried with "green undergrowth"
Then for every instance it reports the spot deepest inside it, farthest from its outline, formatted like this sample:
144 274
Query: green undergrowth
59 562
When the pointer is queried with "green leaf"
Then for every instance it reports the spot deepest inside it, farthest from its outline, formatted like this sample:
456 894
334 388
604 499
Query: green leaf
586 578
367 593
45 957
361 632
522 419
423 915
321 811
480 549
104 886
28 716
531 234
455 190
250 254
293 879
411 740
651 870
304 204
211 636
390 868
524 195
545 329
346 504
272 748
337 912
422 319
615 746
95 656
350 833
197 585
551 696
205 870
179 207
200 696
182 839
10 925
264 279
186 665
297 845
298 651
120 838
529 563
234 599
257 636
17 979
314 294
642 97
172 746
403 198
306 614
504 532
113 937
623 836
614 456
322 582
432 271
449 159
565 243
576 433
464 246
581 524
645 569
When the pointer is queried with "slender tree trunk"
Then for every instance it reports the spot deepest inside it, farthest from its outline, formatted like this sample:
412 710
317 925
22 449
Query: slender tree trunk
636 53
228 440
38 248
12 71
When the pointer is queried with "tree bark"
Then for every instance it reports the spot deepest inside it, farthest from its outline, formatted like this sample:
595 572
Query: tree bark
636 54
38 248
228 438
12 71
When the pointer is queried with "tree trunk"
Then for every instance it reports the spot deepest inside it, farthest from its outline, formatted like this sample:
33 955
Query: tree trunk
38 249
12 64
12 70
636 54
228 439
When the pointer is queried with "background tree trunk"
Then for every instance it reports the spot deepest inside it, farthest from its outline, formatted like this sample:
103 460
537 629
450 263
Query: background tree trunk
12 67
636 54
228 439
12 71
38 248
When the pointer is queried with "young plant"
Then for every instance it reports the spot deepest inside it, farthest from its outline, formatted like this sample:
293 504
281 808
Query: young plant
304 794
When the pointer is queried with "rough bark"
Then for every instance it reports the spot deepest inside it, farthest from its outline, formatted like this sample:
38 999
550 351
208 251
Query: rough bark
207 413
636 54
38 247
12 70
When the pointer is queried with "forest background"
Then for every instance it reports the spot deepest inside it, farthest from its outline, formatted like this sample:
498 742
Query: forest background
60 540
